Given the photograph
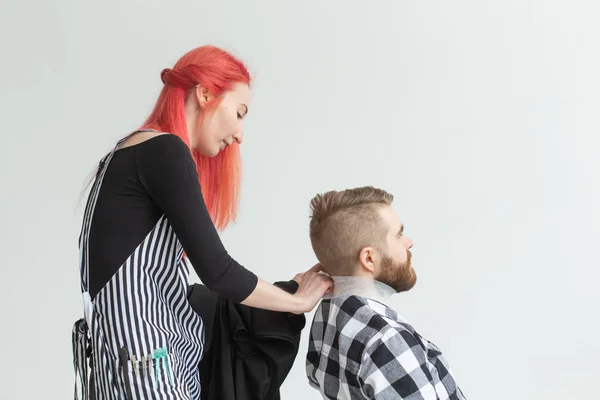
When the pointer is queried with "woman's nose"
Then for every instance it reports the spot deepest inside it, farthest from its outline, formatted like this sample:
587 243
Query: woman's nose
239 136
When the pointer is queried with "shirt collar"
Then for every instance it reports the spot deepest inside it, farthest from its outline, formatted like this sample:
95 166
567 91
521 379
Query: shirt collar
360 286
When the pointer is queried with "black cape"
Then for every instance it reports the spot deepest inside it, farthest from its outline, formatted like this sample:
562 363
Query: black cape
248 352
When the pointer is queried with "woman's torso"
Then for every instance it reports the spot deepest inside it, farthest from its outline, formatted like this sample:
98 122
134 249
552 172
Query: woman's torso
146 339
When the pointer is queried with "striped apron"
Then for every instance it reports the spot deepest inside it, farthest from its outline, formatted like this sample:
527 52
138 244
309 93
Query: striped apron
144 338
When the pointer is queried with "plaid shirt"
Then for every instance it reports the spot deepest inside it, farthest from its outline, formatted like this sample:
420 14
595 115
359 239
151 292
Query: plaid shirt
361 349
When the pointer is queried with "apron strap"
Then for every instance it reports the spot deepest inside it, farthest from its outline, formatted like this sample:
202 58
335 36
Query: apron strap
80 341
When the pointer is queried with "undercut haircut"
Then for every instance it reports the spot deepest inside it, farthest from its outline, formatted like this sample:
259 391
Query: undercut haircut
342 223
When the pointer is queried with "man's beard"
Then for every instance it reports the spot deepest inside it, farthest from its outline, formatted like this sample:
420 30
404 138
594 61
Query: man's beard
398 275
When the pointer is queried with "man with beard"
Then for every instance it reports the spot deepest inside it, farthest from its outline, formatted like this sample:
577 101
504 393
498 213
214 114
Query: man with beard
359 348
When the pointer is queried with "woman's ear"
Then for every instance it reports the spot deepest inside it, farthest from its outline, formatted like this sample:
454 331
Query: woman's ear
203 96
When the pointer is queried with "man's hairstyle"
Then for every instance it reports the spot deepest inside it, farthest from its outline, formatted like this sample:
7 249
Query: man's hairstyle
342 223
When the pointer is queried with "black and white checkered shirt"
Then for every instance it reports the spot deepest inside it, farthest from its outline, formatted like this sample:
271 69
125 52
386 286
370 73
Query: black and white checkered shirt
361 349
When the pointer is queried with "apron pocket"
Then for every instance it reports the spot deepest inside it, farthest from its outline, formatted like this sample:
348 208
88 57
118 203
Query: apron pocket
150 373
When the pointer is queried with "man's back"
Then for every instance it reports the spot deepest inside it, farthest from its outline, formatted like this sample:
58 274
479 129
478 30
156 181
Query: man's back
361 349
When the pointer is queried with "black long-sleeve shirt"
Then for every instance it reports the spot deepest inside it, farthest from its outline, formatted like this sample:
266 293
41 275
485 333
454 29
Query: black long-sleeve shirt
143 182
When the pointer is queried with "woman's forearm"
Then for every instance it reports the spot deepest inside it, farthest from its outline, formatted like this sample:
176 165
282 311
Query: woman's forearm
270 297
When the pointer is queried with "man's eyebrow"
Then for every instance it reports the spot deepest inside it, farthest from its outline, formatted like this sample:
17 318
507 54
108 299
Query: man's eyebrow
246 107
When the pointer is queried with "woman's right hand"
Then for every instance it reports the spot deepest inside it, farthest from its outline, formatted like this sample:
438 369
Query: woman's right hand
312 285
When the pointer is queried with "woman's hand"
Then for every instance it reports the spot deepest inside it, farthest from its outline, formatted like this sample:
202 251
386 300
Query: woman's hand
298 277
312 285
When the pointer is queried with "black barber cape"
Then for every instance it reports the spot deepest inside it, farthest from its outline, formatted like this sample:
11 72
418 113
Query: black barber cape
248 352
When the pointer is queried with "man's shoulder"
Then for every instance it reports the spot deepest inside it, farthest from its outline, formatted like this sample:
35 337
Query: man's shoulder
360 318
377 320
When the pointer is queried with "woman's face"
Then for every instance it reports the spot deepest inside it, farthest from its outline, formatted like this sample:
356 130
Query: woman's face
222 126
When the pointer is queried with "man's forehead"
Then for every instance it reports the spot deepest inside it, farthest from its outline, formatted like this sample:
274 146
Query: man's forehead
390 215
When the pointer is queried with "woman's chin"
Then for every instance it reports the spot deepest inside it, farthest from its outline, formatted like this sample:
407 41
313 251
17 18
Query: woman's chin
208 152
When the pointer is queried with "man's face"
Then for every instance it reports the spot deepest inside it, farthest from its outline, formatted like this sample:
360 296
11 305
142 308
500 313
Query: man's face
395 269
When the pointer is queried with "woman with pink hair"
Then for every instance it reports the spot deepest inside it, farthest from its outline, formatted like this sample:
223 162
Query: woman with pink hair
154 208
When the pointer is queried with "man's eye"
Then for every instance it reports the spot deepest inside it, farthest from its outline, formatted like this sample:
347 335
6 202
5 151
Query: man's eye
239 116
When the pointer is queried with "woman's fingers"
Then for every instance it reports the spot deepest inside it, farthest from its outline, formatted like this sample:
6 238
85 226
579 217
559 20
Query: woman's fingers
316 268
326 281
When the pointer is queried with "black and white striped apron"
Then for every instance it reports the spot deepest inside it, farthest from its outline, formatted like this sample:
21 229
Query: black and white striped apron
145 339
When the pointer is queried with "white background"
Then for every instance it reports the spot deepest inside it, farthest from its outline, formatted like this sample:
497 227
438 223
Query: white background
480 116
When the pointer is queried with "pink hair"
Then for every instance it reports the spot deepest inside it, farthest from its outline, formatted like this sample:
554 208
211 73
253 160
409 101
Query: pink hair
217 71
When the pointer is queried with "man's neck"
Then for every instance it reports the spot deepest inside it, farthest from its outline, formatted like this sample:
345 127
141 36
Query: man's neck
360 286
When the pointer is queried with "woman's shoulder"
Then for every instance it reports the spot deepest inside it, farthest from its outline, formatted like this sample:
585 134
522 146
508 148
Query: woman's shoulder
152 139
164 162
160 151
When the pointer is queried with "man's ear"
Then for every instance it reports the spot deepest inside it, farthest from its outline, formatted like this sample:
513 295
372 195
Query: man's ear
203 96
367 258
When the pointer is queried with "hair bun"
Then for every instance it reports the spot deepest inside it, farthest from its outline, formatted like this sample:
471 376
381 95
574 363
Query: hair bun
163 75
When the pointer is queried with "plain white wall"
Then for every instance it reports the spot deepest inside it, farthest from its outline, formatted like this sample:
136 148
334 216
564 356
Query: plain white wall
481 117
